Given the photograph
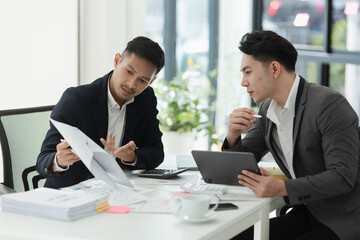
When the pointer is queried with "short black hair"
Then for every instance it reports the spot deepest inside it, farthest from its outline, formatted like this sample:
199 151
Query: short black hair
146 48
267 46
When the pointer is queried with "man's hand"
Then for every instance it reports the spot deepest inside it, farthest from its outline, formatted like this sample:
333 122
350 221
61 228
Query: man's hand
265 185
65 155
125 153
240 120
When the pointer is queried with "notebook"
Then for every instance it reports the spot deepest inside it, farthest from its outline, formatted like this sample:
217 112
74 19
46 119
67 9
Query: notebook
223 167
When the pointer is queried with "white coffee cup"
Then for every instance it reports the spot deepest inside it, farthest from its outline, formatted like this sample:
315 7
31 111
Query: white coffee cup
196 206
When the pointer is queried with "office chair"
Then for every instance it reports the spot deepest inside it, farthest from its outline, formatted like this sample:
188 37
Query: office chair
22 132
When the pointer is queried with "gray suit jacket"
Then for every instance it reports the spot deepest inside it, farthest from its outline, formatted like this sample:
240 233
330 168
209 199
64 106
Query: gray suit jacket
326 157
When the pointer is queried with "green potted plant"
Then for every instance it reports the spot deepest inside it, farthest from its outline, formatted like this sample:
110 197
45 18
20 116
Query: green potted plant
182 114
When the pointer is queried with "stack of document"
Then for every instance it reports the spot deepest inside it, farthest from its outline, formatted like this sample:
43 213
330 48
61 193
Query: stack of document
120 197
55 204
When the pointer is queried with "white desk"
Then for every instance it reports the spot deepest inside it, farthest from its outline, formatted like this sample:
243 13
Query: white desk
143 225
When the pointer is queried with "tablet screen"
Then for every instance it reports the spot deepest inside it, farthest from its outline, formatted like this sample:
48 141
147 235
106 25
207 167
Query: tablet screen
224 167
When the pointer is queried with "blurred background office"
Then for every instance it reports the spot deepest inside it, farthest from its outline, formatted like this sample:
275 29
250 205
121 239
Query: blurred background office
47 46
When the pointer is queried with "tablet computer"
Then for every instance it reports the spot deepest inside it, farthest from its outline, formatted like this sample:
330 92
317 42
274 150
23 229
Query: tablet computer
224 167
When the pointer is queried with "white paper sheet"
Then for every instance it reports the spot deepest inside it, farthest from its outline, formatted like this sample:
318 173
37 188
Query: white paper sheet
157 206
100 163
238 194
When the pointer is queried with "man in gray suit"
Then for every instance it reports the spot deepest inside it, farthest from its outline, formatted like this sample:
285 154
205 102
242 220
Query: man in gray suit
312 133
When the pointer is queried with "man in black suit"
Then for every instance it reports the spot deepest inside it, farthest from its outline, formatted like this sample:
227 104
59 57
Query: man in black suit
117 111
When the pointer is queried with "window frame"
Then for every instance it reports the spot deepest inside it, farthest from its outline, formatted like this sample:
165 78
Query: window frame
325 56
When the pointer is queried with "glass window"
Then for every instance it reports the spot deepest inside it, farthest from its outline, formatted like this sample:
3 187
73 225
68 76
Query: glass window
301 22
192 44
154 24
192 51
344 78
337 77
346 25
234 22
308 70
192 31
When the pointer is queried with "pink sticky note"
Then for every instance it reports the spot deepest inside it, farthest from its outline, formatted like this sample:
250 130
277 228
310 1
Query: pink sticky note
180 193
119 209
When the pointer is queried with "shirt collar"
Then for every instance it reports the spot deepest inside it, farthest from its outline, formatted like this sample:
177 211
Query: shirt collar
275 110
111 101
290 102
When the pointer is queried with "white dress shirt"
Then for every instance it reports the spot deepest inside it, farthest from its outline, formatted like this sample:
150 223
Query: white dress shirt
116 122
284 120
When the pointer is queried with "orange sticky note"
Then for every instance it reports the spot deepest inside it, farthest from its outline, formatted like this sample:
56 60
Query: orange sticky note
119 209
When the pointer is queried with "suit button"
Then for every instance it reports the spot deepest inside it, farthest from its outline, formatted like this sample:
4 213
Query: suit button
302 198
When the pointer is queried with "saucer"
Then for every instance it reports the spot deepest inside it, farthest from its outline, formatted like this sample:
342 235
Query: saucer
209 216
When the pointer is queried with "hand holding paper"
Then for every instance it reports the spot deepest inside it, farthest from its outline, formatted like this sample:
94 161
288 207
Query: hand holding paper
65 156
100 163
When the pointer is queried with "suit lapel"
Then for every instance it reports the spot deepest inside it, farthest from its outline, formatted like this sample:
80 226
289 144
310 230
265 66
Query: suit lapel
273 150
132 118
299 107
100 108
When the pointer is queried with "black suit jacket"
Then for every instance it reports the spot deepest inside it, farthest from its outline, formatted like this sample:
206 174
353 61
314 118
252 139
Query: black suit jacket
85 107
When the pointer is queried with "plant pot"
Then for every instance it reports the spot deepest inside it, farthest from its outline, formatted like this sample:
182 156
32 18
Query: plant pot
178 143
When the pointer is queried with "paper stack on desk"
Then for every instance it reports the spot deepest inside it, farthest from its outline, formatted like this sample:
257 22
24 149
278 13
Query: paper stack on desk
55 204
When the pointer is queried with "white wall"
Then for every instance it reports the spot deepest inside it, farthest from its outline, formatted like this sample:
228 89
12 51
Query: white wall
38 51
106 27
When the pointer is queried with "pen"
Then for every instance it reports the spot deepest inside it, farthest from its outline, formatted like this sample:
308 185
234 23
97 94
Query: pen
257 116
72 150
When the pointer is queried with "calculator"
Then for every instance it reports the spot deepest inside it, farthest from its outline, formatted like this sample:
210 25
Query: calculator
162 173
